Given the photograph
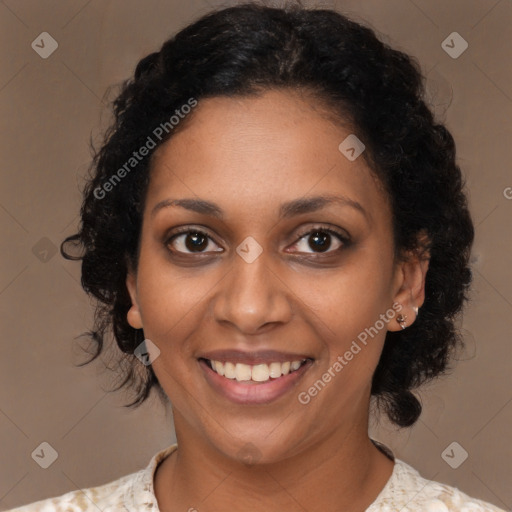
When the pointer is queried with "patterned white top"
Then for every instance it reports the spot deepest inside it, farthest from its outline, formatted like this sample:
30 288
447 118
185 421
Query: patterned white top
405 491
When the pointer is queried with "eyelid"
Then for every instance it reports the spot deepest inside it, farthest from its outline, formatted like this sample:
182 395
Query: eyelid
343 237
185 230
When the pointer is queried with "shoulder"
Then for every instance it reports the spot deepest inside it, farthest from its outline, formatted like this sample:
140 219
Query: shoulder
107 497
133 492
408 491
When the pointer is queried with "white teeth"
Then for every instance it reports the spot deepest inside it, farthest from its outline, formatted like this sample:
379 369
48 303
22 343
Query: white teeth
274 369
257 373
295 365
229 370
243 372
261 373
219 367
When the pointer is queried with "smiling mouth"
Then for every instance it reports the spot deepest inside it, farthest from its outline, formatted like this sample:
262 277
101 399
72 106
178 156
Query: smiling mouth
254 373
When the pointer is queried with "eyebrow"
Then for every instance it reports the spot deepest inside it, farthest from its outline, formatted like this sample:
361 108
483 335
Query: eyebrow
287 210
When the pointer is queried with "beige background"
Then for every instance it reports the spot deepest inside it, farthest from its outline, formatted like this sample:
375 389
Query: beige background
48 109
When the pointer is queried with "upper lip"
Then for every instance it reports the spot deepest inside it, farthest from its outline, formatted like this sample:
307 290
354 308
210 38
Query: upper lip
252 358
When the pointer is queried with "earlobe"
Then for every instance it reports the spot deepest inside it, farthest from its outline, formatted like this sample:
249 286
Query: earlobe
133 315
411 292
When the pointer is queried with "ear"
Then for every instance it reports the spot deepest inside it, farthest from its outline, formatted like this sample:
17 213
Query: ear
409 283
133 316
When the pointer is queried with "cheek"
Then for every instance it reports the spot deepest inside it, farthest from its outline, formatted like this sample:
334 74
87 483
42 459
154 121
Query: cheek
166 293
348 300
164 302
345 310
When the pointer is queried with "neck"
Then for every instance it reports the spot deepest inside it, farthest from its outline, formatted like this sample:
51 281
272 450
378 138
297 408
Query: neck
343 472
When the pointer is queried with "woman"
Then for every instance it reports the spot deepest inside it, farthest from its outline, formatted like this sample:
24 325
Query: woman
276 232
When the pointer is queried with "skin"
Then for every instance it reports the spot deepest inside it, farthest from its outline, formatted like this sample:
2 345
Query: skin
250 155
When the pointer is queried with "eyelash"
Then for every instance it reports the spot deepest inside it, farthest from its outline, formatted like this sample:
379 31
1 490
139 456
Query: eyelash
187 229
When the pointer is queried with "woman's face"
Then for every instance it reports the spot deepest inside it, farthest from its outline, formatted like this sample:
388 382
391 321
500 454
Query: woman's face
278 276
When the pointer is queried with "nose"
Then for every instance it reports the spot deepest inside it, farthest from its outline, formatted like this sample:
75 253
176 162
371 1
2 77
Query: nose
253 296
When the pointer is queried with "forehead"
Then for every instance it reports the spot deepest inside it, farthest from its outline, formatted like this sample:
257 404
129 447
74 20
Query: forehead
254 152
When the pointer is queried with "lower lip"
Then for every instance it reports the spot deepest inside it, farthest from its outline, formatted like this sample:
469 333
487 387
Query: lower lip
250 392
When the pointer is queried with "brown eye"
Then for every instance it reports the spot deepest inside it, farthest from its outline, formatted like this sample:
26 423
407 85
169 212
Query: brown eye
190 241
320 240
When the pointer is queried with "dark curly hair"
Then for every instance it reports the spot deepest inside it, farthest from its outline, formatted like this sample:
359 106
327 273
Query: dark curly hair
243 51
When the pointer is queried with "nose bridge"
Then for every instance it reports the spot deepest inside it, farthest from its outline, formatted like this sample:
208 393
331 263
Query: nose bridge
251 295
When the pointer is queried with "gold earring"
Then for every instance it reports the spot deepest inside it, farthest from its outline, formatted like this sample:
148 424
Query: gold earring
401 321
